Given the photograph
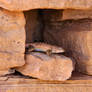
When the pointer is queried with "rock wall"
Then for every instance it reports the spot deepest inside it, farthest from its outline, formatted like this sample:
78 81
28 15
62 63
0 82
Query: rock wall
73 34
34 26
69 28
12 39
16 5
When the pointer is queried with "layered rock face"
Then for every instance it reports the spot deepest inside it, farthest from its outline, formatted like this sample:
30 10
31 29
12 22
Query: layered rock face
76 14
75 36
16 5
68 28
12 39
5 72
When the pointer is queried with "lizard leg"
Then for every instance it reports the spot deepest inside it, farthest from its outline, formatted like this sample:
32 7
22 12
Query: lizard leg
29 49
49 52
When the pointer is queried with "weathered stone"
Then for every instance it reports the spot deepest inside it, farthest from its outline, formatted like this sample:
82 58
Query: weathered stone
11 20
5 72
12 32
55 67
75 36
54 15
33 26
12 39
10 60
76 14
16 5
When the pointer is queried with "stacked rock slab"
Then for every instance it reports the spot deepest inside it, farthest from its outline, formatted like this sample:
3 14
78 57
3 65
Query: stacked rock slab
21 5
12 39
75 36
46 67
76 14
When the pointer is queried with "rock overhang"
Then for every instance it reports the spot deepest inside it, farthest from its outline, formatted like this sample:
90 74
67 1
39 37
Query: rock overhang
23 5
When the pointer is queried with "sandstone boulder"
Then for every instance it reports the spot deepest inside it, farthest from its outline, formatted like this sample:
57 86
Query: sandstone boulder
45 67
12 32
12 39
21 5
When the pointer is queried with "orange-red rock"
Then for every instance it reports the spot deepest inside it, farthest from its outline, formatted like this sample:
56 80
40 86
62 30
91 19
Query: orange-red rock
76 14
45 67
12 32
5 72
10 60
12 39
75 36
20 5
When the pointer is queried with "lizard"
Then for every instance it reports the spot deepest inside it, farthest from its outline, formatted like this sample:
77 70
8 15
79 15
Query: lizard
43 47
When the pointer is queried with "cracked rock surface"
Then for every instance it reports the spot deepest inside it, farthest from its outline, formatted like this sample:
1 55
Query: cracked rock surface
21 5
46 67
12 39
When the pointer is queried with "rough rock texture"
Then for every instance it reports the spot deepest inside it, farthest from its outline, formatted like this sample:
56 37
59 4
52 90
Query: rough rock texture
54 15
10 60
75 36
76 14
5 72
45 67
12 39
20 5
33 26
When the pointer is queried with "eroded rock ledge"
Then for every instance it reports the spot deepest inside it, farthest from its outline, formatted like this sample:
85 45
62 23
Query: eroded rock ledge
21 5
